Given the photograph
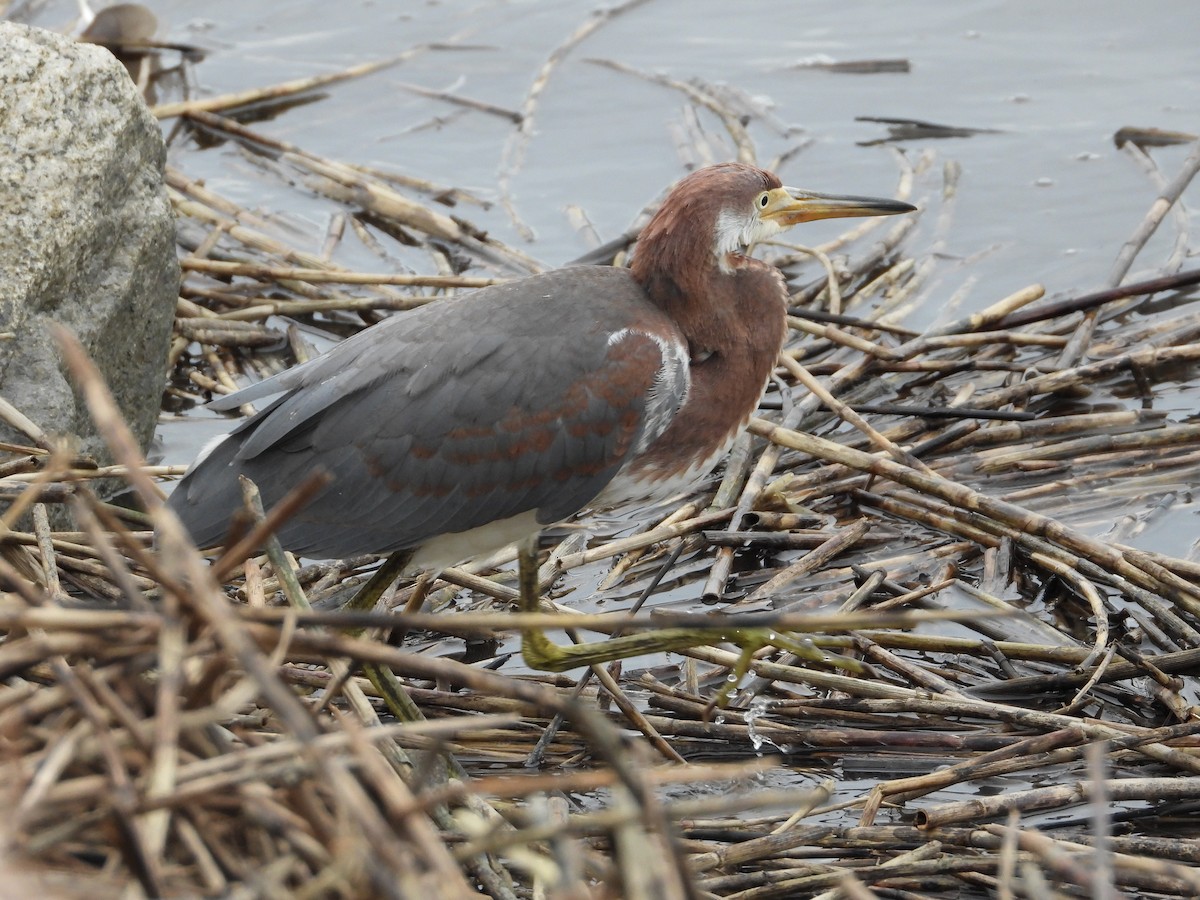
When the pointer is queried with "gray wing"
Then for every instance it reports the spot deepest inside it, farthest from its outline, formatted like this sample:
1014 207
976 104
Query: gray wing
517 398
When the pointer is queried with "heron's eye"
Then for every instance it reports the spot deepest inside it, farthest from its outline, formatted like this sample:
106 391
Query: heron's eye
763 200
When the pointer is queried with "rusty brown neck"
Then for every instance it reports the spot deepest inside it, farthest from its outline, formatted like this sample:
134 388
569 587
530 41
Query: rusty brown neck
734 323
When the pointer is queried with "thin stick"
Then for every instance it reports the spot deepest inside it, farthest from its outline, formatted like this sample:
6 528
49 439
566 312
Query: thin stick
278 91
225 269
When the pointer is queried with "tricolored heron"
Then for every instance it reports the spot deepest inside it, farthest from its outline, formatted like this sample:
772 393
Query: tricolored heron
470 423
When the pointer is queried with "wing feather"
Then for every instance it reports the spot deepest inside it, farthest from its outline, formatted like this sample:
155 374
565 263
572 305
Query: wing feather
512 399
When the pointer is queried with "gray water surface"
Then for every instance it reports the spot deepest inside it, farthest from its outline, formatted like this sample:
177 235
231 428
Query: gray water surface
1045 198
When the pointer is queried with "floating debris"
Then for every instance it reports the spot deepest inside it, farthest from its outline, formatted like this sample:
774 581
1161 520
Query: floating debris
857 66
915 129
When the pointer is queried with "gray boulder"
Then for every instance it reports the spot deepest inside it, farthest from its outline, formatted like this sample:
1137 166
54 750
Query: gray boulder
87 237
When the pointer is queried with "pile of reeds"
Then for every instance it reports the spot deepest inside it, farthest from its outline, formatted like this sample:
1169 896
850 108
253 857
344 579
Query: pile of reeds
952 510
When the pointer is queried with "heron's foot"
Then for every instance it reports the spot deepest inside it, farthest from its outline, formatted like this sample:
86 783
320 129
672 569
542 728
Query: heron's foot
543 654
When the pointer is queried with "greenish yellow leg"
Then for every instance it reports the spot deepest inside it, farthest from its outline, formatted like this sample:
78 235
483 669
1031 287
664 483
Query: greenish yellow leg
381 677
368 595
542 653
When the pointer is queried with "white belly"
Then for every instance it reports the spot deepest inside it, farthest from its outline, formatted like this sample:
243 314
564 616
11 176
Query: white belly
451 549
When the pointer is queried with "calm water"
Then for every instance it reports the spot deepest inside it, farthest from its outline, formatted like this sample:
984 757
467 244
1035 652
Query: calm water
1046 198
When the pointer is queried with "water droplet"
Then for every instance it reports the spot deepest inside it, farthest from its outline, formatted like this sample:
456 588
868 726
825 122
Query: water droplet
756 710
